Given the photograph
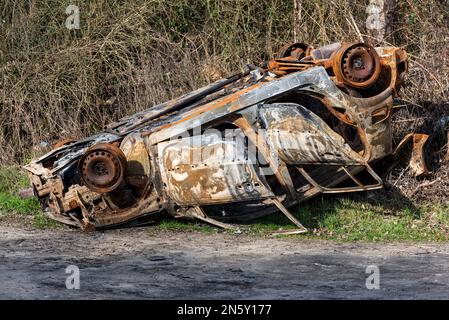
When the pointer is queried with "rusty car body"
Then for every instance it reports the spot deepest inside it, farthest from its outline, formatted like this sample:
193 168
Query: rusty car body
310 121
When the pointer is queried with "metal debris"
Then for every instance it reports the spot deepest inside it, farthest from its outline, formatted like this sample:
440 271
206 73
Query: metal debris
417 163
311 121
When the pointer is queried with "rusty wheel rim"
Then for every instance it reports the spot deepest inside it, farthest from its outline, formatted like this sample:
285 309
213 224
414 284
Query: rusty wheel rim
102 167
297 50
357 65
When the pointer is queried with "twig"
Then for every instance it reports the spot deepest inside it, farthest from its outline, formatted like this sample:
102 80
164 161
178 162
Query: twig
424 184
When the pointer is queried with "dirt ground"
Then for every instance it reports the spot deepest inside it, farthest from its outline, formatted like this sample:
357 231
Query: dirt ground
145 263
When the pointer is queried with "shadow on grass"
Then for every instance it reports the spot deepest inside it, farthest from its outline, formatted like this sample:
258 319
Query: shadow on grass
338 212
374 215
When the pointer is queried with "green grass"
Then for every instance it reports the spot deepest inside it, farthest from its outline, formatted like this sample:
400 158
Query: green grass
178 225
353 218
42 221
12 180
15 204
357 219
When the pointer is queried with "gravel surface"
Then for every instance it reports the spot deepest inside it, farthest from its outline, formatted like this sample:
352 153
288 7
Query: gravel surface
146 263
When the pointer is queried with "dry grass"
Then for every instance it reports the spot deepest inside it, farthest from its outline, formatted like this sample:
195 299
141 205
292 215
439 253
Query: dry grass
129 55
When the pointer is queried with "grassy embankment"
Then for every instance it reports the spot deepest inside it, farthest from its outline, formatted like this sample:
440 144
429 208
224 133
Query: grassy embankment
355 218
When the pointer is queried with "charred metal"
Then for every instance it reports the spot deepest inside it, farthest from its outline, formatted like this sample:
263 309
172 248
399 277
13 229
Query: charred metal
310 121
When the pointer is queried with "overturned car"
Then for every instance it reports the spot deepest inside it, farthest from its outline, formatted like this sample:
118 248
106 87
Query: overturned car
310 121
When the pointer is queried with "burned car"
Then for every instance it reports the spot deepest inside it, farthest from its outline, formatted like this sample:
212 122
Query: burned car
310 121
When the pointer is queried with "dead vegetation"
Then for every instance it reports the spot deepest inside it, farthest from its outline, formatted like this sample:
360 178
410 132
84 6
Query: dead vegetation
430 118
57 83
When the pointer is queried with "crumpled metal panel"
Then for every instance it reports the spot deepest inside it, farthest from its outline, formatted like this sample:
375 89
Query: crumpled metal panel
301 137
221 174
